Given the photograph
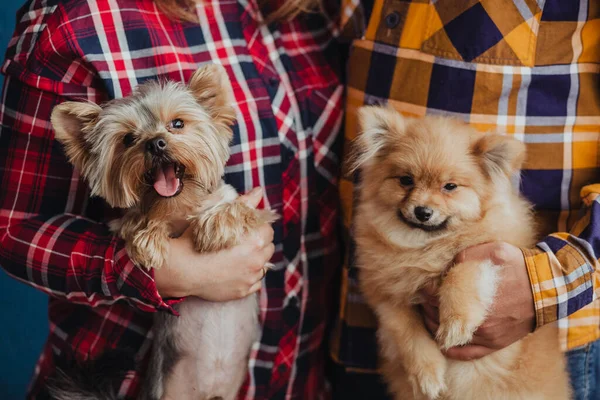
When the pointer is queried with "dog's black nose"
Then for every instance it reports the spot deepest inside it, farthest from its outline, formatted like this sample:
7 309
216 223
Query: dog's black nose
156 146
423 213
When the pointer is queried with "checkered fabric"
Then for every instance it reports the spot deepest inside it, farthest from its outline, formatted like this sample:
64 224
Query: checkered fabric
525 68
54 237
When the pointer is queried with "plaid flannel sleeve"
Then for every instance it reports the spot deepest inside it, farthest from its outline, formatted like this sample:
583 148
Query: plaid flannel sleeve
564 267
45 241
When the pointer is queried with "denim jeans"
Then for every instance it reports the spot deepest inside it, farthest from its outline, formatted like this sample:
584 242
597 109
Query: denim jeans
584 369
583 364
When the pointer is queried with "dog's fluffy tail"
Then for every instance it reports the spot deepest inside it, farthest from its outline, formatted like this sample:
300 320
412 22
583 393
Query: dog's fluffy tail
97 379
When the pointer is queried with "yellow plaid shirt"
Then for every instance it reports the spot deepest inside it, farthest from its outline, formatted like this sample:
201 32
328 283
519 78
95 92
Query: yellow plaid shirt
526 68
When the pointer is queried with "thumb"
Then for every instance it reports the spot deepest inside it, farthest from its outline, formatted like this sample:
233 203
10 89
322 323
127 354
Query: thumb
253 197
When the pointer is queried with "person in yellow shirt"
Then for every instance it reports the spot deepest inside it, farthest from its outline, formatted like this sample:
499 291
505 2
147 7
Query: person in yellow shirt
525 68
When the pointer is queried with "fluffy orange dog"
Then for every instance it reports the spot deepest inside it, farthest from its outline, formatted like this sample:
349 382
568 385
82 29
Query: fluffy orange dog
430 188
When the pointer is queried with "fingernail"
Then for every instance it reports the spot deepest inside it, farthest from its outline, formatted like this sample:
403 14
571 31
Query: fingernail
269 265
255 191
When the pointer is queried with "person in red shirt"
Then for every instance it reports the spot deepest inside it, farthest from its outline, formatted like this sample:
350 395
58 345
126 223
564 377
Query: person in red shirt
54 237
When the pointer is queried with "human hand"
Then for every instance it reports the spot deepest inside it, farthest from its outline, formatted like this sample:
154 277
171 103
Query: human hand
220 276
512 315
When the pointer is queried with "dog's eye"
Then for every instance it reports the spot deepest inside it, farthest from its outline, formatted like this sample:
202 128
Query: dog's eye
450 186
406 180
128 140
177 123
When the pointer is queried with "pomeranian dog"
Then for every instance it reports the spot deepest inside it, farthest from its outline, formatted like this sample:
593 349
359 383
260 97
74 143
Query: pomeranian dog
428 189
159 154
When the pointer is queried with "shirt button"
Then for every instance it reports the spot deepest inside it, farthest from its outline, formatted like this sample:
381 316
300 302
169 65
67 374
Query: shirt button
273 81
282 368
286 156
371 101
392 20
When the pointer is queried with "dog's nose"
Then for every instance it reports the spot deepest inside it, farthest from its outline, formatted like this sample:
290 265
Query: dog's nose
156 146
423 213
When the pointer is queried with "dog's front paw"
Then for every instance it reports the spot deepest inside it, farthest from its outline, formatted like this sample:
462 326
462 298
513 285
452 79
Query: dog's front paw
224 225
429 380
427 371
454 332
147 251
466 295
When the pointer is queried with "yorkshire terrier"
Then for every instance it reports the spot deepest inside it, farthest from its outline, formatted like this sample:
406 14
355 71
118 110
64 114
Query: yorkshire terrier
429 188
159 154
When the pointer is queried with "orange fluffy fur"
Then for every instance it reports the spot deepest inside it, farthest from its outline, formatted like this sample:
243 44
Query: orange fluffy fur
398 254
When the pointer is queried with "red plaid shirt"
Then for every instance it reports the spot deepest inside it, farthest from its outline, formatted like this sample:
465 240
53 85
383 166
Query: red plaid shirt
53 236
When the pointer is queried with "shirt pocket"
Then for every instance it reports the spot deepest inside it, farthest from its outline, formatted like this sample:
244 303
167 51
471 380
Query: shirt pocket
500 32
398 23
488 31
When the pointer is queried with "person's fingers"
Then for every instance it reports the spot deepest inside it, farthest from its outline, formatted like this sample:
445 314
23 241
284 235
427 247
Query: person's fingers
268 251
270 266
260 275
485 335
482 341
261 237
266 233
468 352
256 287
253 197
479 252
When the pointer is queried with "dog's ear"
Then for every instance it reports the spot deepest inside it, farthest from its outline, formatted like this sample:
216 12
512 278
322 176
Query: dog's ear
71 122
375 125
499 154
212 89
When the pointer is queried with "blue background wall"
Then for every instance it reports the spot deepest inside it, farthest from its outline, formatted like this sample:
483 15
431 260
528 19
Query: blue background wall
23 316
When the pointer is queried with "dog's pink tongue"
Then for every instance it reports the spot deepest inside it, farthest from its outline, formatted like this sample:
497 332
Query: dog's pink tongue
165 181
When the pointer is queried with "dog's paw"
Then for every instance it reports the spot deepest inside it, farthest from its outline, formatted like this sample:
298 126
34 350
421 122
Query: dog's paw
454 332
213 233
224 225
427 372
466 295
429 380
147 250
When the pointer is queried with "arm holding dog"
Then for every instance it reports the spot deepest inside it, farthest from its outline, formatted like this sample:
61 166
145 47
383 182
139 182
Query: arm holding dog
521 305
45 240
227 275
571 258
511 316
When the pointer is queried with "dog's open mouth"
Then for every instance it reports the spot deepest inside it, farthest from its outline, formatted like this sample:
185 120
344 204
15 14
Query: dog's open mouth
424 227
166 178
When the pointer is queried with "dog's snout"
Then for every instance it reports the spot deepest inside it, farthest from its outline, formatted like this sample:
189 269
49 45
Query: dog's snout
423 214
156 146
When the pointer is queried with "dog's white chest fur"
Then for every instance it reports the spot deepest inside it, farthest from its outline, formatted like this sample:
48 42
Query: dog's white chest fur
214 339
